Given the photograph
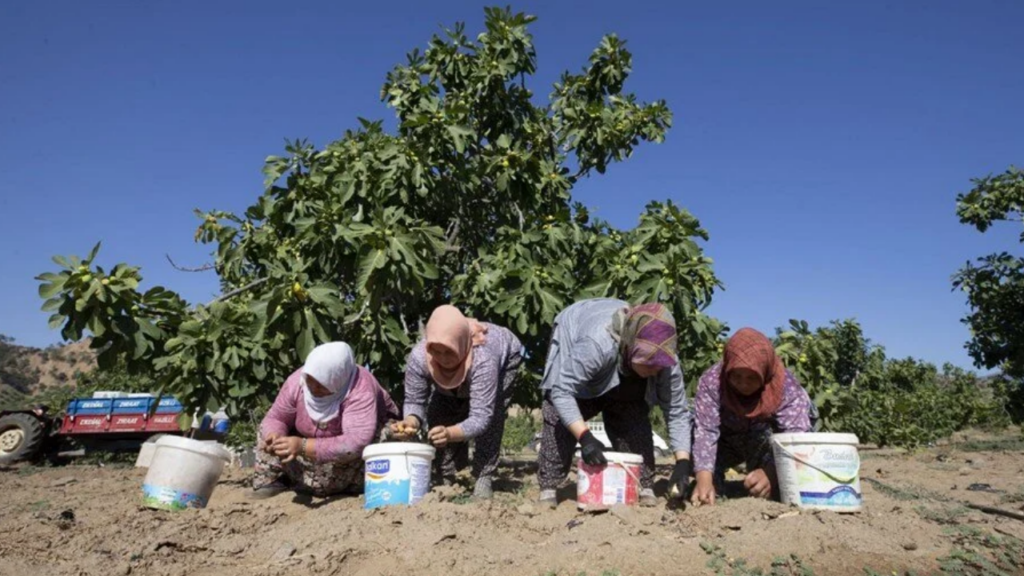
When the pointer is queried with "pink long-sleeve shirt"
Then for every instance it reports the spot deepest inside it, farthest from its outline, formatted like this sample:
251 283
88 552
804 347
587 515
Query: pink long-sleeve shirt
363 412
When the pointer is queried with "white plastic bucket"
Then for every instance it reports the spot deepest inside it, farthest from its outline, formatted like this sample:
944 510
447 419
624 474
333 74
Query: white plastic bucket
397 473
818 470
183 473
601 487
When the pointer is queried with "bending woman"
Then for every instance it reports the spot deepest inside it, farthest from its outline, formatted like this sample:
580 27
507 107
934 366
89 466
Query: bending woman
609 358
313 437
740 402
459 380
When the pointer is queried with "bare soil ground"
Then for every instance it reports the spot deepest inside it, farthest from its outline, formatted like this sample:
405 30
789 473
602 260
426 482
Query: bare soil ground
81 520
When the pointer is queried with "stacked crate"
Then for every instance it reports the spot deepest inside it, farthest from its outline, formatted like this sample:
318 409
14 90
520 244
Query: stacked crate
121 415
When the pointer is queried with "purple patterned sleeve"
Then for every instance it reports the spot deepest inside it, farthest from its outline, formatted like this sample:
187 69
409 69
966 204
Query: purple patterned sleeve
483 393
706 431
793 414
417 383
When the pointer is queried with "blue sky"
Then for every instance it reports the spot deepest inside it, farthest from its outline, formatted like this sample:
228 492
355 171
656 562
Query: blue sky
822 145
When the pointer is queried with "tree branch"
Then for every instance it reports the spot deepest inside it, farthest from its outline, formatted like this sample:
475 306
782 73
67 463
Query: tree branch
202 268
355 319
996 511
451 236
405 327
238 291
579 174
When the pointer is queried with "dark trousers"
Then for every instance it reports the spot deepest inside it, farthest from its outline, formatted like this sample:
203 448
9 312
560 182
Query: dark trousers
449 411
627 421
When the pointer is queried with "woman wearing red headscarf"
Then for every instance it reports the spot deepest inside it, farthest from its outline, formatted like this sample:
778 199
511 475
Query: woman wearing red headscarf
740 401
458 383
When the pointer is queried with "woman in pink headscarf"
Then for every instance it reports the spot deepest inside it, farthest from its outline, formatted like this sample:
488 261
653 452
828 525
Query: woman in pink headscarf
458 386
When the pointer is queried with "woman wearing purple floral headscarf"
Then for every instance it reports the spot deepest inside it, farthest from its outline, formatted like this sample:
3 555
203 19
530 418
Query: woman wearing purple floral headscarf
607 357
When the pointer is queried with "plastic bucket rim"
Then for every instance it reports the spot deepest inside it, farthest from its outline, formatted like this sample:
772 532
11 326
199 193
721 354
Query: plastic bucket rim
212 450
396 449
817 438
623 458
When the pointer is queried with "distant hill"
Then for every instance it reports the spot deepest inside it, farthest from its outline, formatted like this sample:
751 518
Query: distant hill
27 371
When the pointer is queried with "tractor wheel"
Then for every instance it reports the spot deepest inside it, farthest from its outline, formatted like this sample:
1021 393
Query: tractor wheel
21 437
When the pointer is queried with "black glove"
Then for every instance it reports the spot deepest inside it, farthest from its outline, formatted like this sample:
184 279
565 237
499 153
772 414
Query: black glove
592 450
680 479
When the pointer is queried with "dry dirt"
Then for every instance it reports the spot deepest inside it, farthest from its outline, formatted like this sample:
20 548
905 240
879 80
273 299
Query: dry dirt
87 520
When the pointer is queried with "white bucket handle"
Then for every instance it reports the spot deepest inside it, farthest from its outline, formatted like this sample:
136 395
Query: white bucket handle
825 472
629 472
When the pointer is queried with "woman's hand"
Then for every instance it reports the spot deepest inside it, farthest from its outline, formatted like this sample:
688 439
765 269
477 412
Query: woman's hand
287 448
405 429
267 445
439 436
680 479
704 491
758 484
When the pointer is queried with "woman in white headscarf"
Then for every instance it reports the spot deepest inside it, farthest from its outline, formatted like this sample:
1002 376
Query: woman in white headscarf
313 437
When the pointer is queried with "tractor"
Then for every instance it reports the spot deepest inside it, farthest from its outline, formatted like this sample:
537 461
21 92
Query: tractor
108 424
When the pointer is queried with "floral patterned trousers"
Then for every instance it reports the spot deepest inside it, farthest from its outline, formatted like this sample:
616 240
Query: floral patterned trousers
316 478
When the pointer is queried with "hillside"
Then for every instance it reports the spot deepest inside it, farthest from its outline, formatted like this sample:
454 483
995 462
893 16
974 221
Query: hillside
27 371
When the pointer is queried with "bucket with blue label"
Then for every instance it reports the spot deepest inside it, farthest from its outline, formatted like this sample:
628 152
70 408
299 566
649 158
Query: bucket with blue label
397 473
819 471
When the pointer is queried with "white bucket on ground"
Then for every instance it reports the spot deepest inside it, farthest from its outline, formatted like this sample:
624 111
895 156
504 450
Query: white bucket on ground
145 457
818 470
601 487
183 473
397 473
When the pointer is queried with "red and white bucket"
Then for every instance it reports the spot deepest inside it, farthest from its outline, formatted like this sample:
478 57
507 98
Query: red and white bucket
601 487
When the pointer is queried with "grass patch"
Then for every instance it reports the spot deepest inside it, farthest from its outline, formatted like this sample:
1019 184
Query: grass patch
1013 497
29 470
906 493
997 445
112 459
978 553
460 499
947 516
723 565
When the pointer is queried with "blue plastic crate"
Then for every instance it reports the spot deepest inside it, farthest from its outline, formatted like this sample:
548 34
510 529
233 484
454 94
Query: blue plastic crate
132 405
91 406
168 405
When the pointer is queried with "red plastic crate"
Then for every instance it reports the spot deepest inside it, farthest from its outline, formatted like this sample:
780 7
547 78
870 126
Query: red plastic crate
127 423
163 423
90 424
